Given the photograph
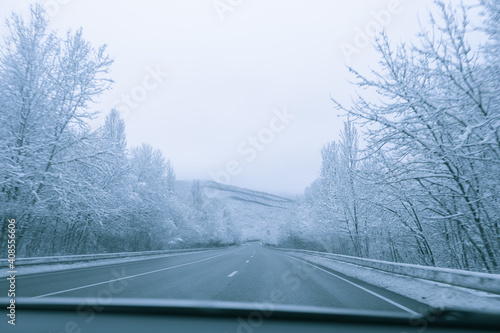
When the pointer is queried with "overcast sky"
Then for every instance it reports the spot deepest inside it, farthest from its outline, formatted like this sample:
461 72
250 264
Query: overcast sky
247 95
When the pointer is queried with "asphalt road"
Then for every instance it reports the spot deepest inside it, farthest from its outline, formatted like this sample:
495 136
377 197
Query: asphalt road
245 274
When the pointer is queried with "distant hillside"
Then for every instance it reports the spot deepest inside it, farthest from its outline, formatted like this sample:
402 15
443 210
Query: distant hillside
257 214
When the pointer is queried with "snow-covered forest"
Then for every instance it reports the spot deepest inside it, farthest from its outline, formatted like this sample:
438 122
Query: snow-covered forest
415 176
77 189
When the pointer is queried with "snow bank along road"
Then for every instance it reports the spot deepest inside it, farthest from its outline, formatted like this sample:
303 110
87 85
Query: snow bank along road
245 274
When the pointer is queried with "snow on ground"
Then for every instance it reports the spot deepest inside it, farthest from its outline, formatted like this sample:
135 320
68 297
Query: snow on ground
432 293
43 268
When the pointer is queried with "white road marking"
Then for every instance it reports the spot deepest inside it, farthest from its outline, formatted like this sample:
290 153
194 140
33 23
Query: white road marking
232 274
130 276
360 287
98 265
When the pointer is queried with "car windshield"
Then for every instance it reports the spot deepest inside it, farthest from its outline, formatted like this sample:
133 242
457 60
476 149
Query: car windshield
310 154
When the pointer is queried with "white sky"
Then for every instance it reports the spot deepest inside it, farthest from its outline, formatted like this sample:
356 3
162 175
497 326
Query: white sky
226 76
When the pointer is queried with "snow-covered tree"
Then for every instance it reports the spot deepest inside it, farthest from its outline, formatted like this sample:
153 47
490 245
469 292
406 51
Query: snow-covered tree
437 129
71 187
426 187
47 85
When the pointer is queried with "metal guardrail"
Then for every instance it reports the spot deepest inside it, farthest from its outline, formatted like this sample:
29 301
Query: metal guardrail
92 257
460 278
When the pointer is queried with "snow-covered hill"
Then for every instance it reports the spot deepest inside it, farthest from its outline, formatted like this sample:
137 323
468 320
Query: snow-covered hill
257 215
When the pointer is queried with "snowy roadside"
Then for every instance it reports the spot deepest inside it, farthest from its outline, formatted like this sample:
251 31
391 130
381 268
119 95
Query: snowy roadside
432 293
45 268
